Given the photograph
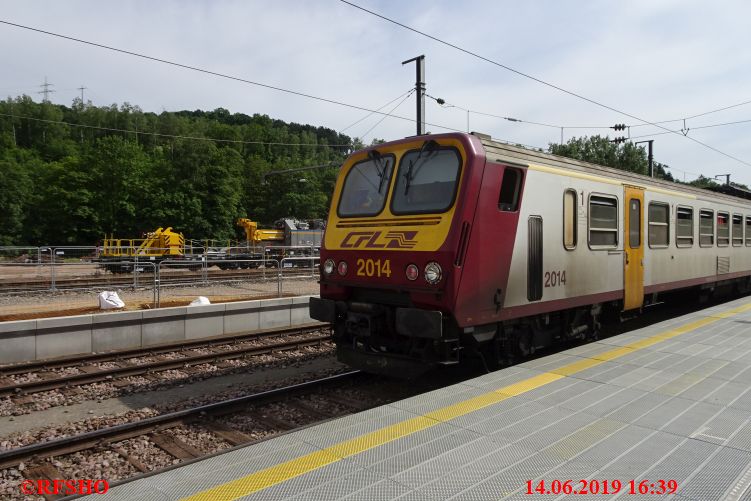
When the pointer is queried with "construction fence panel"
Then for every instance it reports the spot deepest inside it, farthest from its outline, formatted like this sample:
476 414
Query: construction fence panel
19 254
219 280
299 276
73 288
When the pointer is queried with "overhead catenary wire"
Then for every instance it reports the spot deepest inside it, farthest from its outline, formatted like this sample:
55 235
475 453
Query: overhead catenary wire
696 128
408 93
242 80
445 104
539 80
390 111
215 73
697 115
336 102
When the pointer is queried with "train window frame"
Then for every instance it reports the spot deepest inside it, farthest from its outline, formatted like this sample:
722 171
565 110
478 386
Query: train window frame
748 231
736 241
723 241
590 229
679 237
398 173
390 156
513 205
702 215
654 224
571 219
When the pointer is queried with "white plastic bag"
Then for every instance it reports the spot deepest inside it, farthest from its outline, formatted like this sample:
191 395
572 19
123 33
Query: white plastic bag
200 301
109 300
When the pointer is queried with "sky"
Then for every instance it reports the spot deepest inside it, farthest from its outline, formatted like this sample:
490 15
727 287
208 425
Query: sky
655 60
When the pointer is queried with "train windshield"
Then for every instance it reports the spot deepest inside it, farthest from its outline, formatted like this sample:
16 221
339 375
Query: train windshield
427 179
366 186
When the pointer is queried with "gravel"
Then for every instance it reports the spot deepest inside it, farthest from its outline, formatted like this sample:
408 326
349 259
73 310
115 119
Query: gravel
107 463
164 379
143 450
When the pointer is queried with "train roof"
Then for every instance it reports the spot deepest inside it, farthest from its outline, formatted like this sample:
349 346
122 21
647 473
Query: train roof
506 153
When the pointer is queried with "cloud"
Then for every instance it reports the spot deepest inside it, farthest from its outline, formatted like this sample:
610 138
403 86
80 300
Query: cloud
653 59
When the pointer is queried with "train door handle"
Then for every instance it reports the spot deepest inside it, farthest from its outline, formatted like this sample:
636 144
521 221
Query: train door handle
497 300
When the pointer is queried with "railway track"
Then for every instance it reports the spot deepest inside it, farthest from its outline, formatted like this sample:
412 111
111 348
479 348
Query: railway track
203 415
54 374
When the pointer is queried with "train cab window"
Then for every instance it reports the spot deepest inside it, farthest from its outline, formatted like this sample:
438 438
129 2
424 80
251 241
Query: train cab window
508 200
366 186
603 222
659 226
427 180
737 230
723 229
684 227
569 219
748 231
706 228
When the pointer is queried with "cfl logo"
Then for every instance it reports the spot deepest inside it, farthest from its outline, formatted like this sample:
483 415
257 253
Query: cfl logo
376 240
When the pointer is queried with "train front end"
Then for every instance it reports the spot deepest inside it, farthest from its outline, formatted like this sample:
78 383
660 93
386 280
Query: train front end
387 261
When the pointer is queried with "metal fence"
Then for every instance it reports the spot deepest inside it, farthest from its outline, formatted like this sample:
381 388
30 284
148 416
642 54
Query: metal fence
70 278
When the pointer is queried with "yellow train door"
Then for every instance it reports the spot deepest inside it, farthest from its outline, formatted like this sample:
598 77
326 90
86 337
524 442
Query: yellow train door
633 248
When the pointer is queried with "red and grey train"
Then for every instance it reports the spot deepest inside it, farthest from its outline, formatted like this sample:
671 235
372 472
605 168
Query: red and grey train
445 247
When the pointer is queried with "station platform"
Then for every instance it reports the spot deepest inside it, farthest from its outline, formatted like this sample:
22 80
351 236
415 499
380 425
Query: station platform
669 404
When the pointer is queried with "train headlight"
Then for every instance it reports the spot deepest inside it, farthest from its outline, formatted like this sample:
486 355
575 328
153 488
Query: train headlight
433 273
412 272
342 268
328 267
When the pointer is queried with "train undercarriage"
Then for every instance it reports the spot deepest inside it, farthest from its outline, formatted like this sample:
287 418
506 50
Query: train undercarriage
397 340
407 342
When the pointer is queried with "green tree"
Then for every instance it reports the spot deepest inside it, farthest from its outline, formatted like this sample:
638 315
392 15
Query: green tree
600 150
70 175
15 189
117 170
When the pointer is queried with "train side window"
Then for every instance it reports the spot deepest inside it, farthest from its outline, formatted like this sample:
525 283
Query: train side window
706 228
737 230
659 226
508 200
723 229
603 222
569 219
748 231
684 227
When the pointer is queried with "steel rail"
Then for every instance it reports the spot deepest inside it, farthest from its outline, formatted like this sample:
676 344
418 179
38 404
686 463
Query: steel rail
157 349
67 381
83 441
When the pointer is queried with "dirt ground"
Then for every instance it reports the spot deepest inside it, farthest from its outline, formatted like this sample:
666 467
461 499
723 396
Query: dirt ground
86 310
69 303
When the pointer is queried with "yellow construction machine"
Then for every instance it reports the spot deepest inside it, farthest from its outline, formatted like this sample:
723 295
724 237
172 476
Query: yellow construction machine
116 254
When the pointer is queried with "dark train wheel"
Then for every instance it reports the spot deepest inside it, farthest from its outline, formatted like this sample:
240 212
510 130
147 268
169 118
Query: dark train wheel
526 343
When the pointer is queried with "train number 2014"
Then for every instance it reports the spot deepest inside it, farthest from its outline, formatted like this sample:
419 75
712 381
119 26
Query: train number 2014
555 278
373 268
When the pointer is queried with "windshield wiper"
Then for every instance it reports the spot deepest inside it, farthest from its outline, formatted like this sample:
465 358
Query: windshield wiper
429 146
377 158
